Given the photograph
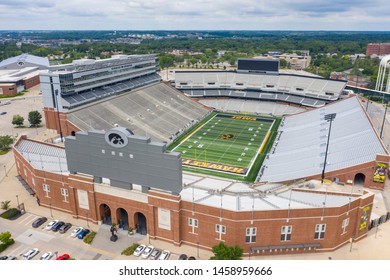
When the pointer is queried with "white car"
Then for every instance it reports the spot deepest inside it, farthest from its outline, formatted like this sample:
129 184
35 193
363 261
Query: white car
146 253
51 224
30 254
164 255
76 231
139 250
46 256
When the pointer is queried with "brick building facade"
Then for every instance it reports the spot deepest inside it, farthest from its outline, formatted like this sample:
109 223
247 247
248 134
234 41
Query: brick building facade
169 218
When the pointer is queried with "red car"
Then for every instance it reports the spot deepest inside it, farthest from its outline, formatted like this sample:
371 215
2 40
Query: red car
63 257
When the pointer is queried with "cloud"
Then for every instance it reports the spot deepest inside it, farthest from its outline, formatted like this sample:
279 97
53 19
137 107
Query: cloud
196 14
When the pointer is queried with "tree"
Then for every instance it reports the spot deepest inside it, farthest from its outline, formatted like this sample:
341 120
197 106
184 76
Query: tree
6 238
223 252
17 120
5 142
5 204
35 118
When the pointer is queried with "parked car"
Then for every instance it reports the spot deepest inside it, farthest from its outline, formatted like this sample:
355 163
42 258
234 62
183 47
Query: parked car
57 226
2 258
11 258
191 258
164 255
3 113
155 254
76 231
51 224
183 257
30 254
38 222
146 253
64 228
139 250
83 233
63 257
46 256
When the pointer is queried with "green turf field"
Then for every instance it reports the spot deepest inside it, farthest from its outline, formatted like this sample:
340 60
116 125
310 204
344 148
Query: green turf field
225 143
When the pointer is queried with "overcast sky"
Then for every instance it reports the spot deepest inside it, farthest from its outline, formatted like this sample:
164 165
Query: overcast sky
195 14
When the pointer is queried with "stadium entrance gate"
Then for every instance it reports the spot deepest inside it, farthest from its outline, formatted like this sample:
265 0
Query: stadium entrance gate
359 179
105 214
123 220
140 222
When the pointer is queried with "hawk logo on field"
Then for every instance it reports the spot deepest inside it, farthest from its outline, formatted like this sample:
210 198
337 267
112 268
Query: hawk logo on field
226 136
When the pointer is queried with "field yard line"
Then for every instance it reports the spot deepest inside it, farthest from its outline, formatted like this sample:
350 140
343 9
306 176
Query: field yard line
258 152
192 133
242 128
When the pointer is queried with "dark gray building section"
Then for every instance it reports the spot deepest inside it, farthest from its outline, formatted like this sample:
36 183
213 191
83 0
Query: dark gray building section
252 65
125 159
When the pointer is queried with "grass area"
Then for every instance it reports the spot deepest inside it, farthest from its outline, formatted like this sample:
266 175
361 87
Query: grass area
3 152
17 95
227 145
89 237
130 250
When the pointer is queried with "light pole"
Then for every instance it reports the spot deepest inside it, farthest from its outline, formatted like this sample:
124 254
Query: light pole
329 118
351 241
5 170
51 212
87 220
384 119
17 199
197 249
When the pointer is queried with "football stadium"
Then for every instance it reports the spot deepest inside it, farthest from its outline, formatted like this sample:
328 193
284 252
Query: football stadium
273 162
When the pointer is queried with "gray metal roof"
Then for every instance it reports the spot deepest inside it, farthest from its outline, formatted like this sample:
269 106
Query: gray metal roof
300 150
26 58
43 156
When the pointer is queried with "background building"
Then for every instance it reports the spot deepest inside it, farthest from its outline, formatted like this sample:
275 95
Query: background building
20 73
379 49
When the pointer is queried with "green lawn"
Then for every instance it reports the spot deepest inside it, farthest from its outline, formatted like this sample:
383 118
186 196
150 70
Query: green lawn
226 144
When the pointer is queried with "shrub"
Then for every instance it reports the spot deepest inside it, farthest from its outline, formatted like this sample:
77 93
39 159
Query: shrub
89 237
10 213
3 247
130 250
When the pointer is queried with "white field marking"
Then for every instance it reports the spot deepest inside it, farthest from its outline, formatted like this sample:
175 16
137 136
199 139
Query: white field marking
193 133
12 253
257 152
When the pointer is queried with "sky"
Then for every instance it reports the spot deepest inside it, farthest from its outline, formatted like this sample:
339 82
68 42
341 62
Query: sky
359 15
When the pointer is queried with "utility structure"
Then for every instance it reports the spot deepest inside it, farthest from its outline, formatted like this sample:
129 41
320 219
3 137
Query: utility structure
329 118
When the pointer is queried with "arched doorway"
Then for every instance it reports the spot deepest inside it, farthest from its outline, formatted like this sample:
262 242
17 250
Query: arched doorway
73 133
105 214
140 223
123 219
359 179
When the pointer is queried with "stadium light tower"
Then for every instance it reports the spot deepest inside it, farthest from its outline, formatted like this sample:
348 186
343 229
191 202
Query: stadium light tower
329 118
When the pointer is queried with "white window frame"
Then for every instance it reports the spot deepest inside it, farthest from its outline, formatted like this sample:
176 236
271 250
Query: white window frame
344 225
65 194
250 235
220 229
285 233
319 232
46 189
193 223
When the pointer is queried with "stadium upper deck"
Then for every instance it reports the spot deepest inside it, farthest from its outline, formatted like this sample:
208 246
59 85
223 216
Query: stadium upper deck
199 83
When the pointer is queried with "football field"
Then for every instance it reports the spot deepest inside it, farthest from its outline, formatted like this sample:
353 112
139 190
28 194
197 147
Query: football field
226 143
